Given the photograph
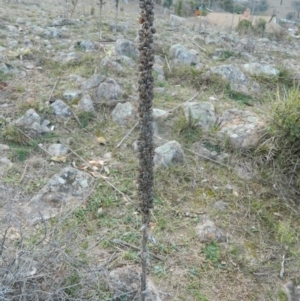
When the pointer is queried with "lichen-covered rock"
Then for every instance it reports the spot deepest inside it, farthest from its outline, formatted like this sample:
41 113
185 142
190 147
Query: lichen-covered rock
203 113
242 128
207 231
124 284
31 121
109 64
57 149
182 55
230 73
70 95
168 154
261 69
62 192
108 91
127 48
61 109
123 112
92 82
85 104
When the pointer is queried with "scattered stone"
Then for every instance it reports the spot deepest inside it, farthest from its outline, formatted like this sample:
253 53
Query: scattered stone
13 29
221 206
205 153
127 48
71 95
230 73
51 32
57 150
260 69
62 192
85 104
12 44
182 55
157 114
168 154
207 231
159 70
203 113
6 68
61 109
31 121
124 284
126 61
86 45
92 82
109 64
108 90
123 112
241 127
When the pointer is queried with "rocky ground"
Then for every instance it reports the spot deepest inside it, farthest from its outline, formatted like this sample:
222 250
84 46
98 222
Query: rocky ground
225 224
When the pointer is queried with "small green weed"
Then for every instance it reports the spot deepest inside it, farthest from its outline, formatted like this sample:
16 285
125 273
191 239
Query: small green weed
212 252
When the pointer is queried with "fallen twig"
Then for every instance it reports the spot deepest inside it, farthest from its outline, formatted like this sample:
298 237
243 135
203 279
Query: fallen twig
53 88
282 267
120 143
121 242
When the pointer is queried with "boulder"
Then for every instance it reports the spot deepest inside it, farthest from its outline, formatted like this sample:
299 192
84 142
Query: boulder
230 73
85 104
109 64
92 82
242 128
31 121
182 55
260 69
127 48
61 109
108 92
207 231
203 113
168 154
122 112
124 284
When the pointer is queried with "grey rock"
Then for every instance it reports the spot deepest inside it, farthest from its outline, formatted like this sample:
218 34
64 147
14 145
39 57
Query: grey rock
86 45
122 112
127 48
61 109
75 78
52 32
159 72
57 149
126 61
124 284
62 192
168 154
6 68
158 114
13 29
260 69
109 64
71 57
86 104
207 231
204 153
242 128
109 91
203 113
70 95
230 73
2 48
31 121
182 55
221 206
12 44
20 21
92 82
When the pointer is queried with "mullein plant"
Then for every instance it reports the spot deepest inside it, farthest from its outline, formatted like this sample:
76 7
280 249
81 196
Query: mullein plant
145 141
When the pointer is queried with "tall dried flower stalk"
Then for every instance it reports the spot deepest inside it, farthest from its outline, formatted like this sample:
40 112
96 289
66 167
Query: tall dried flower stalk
146 148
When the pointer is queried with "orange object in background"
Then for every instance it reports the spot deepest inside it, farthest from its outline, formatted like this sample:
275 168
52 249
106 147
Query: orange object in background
197 12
